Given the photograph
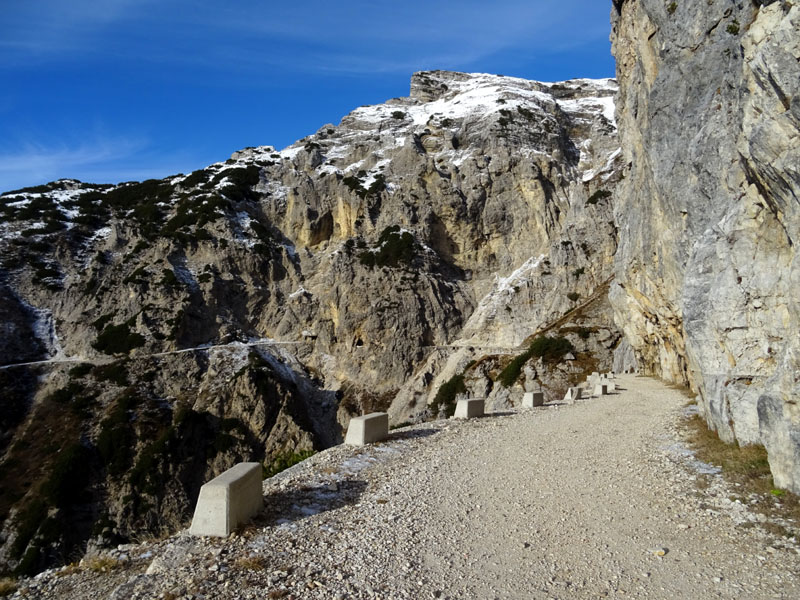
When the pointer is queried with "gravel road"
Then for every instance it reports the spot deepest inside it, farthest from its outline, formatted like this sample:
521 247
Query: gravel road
590 500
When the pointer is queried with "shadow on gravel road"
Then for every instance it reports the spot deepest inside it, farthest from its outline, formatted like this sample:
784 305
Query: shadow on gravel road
296 504
411 435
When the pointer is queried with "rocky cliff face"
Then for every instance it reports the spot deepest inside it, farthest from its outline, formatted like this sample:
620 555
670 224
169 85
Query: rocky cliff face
707 273
247 310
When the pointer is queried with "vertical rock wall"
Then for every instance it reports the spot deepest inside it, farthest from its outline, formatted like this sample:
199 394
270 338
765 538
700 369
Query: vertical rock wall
707 275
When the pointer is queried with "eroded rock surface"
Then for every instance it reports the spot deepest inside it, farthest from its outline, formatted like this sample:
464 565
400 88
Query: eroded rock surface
707 274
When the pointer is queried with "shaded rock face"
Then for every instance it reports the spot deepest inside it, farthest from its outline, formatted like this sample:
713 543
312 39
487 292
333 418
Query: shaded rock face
384 254
707 274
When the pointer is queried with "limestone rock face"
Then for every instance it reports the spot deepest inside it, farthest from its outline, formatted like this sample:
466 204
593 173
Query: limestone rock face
248 310
707 274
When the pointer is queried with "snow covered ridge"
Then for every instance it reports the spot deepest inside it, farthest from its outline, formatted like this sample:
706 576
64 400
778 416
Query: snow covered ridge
459 95
449 116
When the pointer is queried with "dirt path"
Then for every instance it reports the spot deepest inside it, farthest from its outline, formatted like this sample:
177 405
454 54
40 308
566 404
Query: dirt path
578 502
585 501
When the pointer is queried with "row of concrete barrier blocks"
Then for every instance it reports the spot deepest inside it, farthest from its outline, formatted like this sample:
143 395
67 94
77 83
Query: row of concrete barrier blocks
235 497
602 384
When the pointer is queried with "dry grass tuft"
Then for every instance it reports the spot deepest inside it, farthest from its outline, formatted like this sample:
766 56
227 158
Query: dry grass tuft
251 563
101 564
745 465
748 469
685 390
69 569
7 586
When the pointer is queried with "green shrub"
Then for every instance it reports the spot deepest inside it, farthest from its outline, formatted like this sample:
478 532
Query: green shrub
118 339
578 272
395 247
367 259
64 395
168 278
527 113
240 182
195 178
573 296
262 232
102 321
116 372
672 7
283 461
733 27
399 115
81 370
508 376
223 440
138 277
198 211
549 349
355 183
144 474
445 399
598 195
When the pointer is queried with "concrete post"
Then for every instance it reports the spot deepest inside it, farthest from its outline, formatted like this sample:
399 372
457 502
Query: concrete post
229 500
469 409
601 389
367 429
532 399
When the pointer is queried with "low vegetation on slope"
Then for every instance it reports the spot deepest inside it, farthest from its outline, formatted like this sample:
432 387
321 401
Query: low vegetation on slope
550 349
748 469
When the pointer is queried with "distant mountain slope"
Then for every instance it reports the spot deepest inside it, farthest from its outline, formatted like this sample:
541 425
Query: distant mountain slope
474 213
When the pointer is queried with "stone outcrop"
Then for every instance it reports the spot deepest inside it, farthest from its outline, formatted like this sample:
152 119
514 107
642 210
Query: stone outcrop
707 273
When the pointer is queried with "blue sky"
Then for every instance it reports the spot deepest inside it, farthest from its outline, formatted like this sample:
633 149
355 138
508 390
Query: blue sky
118 90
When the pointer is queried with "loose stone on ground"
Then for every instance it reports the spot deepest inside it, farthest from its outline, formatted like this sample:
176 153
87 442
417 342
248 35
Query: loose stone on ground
594 499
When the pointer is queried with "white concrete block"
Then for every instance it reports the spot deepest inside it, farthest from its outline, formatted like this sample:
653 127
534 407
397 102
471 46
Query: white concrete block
601 389
469 409
531 399
228 501
573 394
367 429
611 385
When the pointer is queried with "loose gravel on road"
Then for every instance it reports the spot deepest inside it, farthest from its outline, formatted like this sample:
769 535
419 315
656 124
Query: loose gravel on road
590 500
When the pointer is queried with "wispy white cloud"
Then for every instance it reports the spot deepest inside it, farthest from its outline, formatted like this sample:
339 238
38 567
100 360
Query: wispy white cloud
42 162
42 29
357 36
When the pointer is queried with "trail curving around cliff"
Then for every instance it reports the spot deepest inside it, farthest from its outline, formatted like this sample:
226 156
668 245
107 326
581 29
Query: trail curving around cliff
590 500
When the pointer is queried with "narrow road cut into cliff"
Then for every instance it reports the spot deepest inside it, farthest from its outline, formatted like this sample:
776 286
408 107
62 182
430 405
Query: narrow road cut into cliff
590 500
